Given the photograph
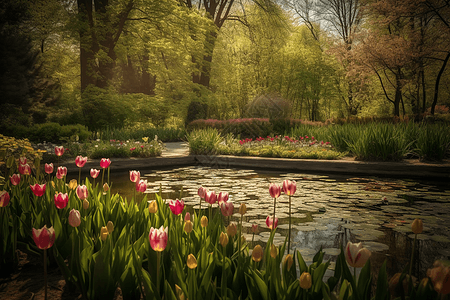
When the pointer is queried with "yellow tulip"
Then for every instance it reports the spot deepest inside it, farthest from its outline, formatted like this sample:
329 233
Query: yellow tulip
223 239
110 227
191 261
85 204
273 251
104 233
188 226
73 184
105 187
153 207
204 221
417 226
242 209
232 229
288 261
257 253
305 280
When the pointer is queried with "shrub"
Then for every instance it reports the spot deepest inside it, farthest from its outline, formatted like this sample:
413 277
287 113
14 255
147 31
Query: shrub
239 127
433 142
204 141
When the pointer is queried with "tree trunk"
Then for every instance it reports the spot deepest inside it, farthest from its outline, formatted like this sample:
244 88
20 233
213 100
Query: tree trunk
438 79
86 52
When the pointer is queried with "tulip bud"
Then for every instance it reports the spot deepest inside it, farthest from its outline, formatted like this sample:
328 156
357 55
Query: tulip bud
179 293
305 280
223 239
257 253
104 233
85 204
255 228
417 226
288 261
191 261
356 255
232 229
4 198
15 179
242 209
188 226
105 187
153 207
273 251
74 218
73 184
110 227
204 221
187 216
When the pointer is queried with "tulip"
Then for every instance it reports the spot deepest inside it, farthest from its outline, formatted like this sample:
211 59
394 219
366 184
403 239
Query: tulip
231 229
82 192
223 197
25 169
73 184
188 226
242 209
105 187
223 239
176 206
356 255
103 233
257 253
226 208
254 228
288 261
135 176
273 251
271 223
80 161
85 204
15 179
201 192
141 186
211 197
38 189
158 238
59 150
61 200
187 216
74 218
4 199
48 168
22 160
440 276
417 226
105 162
204 221
395 290
110 227
44 237
274 190
61 172
289 187
305 280
153 207
94 173
191 261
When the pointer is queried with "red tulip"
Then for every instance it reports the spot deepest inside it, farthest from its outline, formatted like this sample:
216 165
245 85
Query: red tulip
22 160
74 218
289 187
61 200
25 169
61 172
141 186
80 161
274 190
49 168
15 179
201 192
105 162
82 192
59 150
211 197
4 198
356 255
158 238
44 237
176 206
271 223
94 173
223 197
227 208
38 189
135 176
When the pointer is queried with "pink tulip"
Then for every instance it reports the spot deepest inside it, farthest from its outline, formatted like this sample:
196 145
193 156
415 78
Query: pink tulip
49 168
211 197
255 228
4 198
82 192
44 237
135 176
74 218
38 189
80 161
274 190
59 150
271 223
356 255
201 192
227 208
25 169
61 200
22 160
61 172
15 179
158 238
105 162
176 206
289 187
223 197
141 186
94 173
187 216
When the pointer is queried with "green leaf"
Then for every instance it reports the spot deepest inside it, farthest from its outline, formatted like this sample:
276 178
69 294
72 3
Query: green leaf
261 285
382 291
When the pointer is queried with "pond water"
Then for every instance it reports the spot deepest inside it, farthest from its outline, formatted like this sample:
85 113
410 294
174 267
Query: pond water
327 211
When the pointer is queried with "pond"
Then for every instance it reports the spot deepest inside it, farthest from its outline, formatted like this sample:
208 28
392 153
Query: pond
327 211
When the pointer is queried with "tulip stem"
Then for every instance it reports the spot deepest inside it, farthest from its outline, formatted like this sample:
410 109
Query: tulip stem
79 176
103 176
240 237
289 234
224 281
354 275
200 209
158 258
412 255
274 206
45 274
